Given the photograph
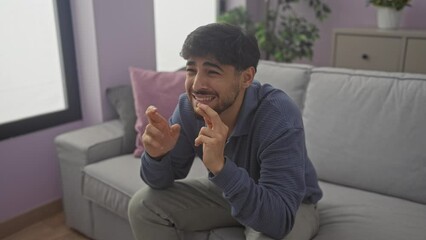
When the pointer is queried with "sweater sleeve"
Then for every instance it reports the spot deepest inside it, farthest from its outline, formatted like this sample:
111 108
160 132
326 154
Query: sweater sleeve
176 164
268 206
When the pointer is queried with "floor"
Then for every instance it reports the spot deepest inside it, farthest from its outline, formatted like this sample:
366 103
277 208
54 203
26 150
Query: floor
52 228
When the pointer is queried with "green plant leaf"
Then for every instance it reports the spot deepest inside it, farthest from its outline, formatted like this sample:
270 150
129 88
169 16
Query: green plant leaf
282 35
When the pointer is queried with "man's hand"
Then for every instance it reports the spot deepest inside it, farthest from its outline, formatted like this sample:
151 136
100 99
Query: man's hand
213 137
159 138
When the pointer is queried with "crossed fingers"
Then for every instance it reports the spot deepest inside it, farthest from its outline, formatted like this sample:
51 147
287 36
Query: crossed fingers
211 118
212 137
215 130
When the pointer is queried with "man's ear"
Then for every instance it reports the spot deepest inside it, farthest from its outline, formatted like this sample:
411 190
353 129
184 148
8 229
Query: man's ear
248 76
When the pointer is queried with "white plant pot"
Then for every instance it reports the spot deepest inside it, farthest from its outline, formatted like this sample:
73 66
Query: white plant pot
388 18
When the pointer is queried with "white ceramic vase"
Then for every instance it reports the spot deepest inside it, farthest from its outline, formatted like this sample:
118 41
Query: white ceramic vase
388 18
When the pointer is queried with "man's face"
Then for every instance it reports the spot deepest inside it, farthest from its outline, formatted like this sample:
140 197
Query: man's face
212 83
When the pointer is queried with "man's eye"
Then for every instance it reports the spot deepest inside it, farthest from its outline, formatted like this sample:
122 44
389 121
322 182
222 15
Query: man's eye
213 72
190 71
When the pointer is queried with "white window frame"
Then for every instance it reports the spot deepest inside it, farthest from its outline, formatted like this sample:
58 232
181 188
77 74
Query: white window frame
63 70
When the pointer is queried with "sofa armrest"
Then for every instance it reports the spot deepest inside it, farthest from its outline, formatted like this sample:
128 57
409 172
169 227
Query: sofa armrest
75 150
91 144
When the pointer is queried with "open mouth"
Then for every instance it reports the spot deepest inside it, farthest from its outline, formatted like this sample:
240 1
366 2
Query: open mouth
203 98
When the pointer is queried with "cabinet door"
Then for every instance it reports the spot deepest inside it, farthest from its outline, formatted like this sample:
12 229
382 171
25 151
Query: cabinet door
365 52
415 61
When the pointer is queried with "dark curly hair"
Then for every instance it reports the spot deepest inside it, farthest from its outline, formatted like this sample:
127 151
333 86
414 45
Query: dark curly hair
228 44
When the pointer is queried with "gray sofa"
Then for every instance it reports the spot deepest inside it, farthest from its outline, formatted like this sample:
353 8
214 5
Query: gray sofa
365 133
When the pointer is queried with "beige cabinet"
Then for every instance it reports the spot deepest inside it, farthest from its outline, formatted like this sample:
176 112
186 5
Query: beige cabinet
383 50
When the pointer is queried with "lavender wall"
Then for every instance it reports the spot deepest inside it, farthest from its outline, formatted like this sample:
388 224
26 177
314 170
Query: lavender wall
29 171
125 37
110 36
355 14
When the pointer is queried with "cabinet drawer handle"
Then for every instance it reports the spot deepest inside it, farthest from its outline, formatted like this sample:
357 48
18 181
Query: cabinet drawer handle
365 56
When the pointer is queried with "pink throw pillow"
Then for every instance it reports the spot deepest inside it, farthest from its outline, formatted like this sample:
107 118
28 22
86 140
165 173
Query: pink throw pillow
160 89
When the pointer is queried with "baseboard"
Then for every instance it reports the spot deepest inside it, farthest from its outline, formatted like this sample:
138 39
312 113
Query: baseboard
25 220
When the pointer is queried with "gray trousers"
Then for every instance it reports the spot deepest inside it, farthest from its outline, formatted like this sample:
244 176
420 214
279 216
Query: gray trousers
196 205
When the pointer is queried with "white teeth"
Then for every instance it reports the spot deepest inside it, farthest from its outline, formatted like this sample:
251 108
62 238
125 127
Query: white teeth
205 99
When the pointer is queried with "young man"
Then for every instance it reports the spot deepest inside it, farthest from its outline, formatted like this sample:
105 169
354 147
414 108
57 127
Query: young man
249 136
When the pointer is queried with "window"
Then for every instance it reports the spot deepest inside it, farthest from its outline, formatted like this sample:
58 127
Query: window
38 75
174 20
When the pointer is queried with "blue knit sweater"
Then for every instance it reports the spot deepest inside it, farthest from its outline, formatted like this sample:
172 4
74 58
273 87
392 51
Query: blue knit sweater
267 172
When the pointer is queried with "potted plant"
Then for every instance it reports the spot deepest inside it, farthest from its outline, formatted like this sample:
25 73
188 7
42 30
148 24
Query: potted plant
389 12
283 35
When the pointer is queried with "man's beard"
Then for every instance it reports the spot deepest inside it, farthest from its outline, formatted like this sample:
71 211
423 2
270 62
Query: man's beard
227 103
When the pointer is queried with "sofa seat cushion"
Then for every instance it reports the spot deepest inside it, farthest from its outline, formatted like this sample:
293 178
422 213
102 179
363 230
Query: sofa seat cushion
352 214
112 182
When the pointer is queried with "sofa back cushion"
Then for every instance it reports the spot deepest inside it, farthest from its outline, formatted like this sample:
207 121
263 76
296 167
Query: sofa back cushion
291 78
367 130
121 99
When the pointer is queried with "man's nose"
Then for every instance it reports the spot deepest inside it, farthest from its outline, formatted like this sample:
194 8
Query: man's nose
199 81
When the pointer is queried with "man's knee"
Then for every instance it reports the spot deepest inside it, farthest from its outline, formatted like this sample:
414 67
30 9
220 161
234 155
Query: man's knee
147 217
138 202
